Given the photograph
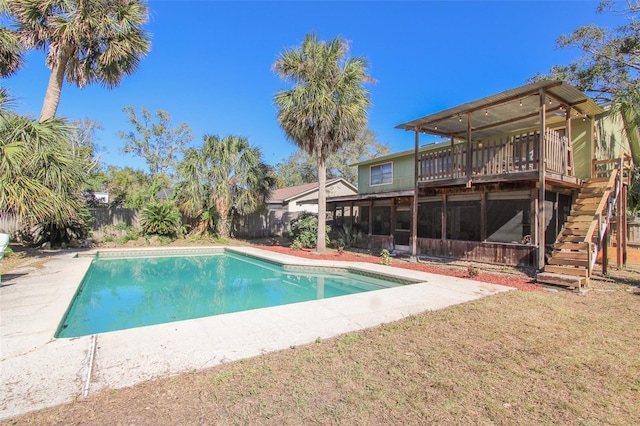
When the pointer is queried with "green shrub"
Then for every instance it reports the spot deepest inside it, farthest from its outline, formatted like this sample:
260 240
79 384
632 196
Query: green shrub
58 231
120 233
348 236
161 219
305 230
8 252
386 257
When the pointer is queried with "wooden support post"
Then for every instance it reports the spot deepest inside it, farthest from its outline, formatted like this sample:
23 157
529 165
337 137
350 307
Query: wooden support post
541 181
392 225
370 217
443 225
469 151
621 215
569 133
414 208
625 227
351 221
454 165
533 219
483 216
605 251
556 210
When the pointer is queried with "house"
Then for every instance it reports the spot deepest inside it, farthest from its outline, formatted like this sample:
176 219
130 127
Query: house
286 204
481 194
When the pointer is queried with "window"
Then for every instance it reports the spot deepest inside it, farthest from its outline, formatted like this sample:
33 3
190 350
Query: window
382 174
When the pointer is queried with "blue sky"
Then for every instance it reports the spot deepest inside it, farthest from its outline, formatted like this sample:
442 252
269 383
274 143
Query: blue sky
211 63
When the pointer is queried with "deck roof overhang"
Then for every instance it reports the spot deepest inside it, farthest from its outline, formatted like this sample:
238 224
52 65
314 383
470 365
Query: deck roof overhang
506 112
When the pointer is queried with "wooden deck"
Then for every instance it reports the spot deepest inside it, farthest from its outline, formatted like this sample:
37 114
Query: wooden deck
499 160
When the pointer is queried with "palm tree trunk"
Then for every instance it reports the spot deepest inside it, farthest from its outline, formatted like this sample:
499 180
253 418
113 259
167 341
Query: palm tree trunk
321 245
223 219
56 79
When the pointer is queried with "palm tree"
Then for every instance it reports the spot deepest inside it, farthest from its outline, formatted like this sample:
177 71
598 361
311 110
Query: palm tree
224 177
327 106
11 50
86 41
40 178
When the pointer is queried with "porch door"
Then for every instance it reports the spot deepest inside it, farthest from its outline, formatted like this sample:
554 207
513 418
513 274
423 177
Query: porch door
402 228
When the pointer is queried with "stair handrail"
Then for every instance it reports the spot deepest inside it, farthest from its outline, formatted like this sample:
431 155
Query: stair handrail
609 198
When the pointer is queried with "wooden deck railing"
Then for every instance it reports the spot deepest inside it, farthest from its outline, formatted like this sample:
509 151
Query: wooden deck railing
513 154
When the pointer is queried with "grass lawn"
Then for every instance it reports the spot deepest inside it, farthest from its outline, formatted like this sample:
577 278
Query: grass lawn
516 358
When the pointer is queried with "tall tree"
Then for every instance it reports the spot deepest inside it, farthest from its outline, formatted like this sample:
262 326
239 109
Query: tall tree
86 41
155 140
300 168
224 177
83 141
327 106
609 68
297 169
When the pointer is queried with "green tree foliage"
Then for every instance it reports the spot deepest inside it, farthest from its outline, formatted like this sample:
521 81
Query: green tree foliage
83 141
297 169
161 218
327 106
129 188
609 67
224 177
11 49
609 71
300 168
155 140
40 177
85 41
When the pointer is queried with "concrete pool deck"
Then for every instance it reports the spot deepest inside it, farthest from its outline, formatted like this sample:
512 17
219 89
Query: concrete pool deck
39 371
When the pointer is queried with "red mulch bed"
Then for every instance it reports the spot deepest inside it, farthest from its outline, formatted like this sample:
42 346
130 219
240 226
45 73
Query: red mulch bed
510 280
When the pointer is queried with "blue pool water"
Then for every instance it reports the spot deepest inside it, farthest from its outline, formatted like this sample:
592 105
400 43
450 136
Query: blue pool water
121 293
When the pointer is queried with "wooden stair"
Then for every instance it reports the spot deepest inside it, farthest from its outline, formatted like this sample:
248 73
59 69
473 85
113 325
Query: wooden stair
571 261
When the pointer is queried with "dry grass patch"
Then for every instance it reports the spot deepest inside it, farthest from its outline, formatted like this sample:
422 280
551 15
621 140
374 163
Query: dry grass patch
515 358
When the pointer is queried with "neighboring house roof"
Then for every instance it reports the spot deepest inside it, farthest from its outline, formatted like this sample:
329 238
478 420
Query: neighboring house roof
508 111
284 195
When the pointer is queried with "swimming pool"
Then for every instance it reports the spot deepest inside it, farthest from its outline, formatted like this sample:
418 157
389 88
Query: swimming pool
121 292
